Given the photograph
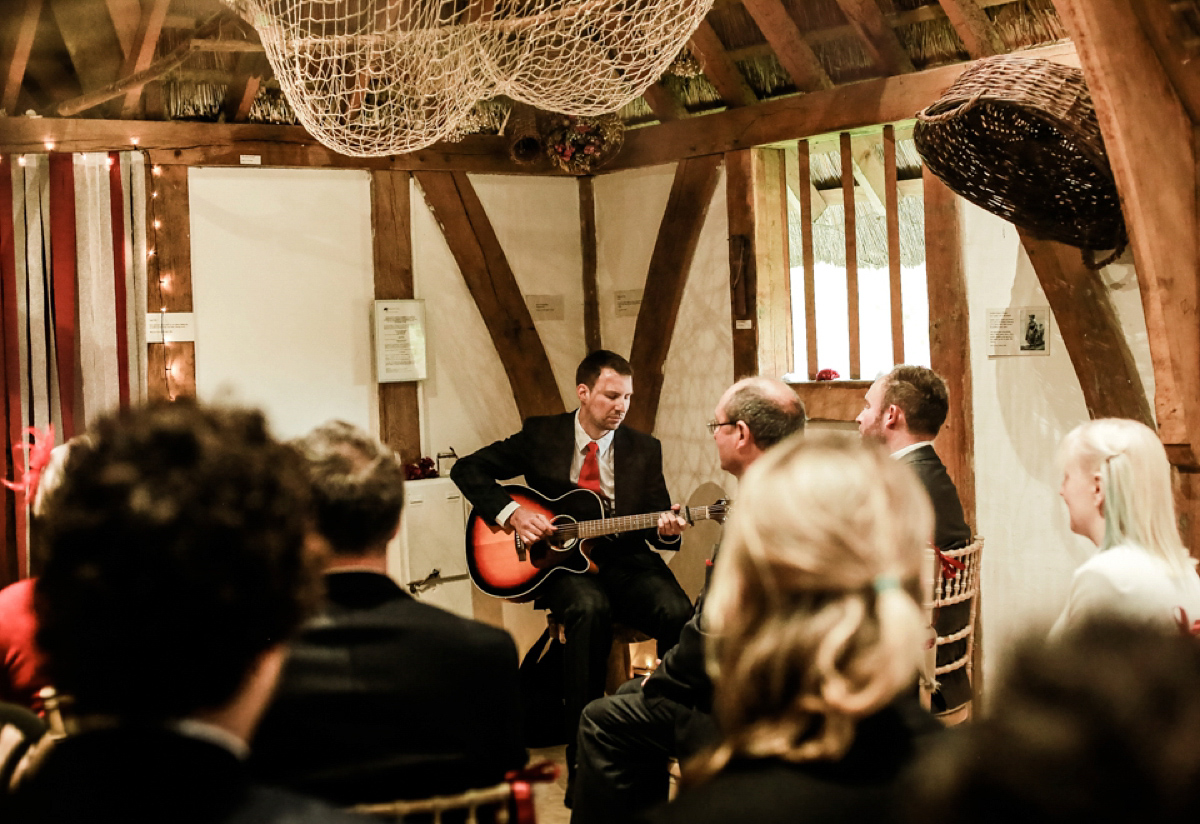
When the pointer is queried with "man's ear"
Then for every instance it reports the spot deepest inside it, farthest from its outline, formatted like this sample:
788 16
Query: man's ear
744 435
893 417
582 391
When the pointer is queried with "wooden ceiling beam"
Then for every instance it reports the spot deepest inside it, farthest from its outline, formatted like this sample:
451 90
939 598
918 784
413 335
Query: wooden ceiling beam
793 51
974 28
877 36
853 106
145 42
18 59
663 102
868 169
91 41
1168 37
241 91
126 15
223 144
719 69
922 14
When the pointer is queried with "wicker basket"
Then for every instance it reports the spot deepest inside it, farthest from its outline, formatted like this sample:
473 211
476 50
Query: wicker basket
1019 137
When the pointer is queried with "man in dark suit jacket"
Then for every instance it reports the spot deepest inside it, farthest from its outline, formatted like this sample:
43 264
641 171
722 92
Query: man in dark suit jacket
633 585
626 739
175 572
904 410
383 697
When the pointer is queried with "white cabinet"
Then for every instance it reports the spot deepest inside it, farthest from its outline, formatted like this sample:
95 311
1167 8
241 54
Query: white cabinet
432 536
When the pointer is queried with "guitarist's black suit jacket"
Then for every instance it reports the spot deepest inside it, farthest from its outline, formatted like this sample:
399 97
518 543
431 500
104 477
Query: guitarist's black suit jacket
384 697
543 450
950 531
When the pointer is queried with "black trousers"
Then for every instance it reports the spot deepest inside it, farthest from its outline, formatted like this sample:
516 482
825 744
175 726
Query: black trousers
625 741
634 587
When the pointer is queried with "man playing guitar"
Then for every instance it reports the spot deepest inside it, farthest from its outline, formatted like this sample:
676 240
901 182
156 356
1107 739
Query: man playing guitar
589 448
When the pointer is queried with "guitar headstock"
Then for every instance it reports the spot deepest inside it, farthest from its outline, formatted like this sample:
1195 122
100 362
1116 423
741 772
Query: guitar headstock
719 511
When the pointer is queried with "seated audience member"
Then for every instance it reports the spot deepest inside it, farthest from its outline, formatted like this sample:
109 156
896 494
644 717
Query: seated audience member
383 697
816 634
175 572
626 739
1117 486
904 410
1098 724
22 672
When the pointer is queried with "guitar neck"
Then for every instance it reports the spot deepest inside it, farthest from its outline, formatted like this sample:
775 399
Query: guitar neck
632 523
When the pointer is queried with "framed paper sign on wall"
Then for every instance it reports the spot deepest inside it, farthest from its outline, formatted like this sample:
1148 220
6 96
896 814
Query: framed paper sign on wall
399 340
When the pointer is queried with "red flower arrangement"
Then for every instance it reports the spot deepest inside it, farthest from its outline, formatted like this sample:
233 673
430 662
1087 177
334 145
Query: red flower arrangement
580 144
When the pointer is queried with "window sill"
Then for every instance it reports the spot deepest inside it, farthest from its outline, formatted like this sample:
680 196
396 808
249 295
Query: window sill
832 400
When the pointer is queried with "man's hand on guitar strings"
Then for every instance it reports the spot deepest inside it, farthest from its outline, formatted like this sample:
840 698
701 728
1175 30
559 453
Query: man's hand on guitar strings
530 524
670 523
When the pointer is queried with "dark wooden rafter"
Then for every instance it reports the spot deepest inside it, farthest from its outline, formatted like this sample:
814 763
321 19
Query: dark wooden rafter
126 16
794 53
17 58
490 279
588 244
158 68
974 28
1091 331
877 36
851 238
1140 112
808 257
391 229
243 89
1166 35
670 263
853 106
663 102
743 262
719 69
949 336
145 42
91 41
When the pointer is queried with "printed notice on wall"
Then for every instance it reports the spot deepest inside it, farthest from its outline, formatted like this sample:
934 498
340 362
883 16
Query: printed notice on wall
1018 330
629 302
546 307
399 340
170 327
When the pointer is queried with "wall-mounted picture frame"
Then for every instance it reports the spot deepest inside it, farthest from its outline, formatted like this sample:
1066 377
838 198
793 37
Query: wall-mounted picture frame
399 340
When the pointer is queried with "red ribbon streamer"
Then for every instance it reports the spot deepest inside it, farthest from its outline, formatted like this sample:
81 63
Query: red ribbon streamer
950 566
1191 629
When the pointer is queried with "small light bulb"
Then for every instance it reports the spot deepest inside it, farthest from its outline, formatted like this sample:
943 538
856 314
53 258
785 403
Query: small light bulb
21 160
150 254
164 309
135 141
50 146
157 170
158 224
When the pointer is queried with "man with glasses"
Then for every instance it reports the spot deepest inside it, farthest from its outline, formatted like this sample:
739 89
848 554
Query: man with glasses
626 740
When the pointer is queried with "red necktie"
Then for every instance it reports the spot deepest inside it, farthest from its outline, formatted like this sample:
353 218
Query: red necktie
589 473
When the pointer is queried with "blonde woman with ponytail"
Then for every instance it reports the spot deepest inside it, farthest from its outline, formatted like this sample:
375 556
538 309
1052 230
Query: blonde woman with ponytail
817 637
1117 487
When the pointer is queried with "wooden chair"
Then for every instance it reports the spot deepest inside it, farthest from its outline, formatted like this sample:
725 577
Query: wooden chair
620 659
956 580
508 803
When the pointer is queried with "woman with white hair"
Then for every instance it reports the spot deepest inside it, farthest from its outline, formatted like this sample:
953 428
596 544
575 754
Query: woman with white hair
1117 487
817 638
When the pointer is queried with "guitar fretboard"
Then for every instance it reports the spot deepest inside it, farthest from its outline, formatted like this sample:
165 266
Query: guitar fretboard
630 523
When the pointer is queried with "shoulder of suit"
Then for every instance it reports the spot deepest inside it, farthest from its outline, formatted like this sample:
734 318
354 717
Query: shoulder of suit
632 434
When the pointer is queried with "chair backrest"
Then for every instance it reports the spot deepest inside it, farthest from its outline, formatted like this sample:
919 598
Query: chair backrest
507 803
20 729
956 580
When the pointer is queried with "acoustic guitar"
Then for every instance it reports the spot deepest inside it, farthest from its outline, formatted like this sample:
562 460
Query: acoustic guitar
503 565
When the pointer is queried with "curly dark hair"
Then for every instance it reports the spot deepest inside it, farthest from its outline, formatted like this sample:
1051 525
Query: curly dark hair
1098 725
176 556
357 486
589 368
921 394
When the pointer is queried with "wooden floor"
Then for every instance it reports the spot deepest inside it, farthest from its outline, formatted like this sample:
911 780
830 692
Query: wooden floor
548 798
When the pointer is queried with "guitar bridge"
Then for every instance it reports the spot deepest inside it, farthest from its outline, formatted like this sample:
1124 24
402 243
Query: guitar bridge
520 546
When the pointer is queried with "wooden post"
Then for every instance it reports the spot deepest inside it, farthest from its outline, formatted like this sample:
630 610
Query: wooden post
949 336
810 262
391 230
171 367
587 238
772 264
892 197
743 276
851 255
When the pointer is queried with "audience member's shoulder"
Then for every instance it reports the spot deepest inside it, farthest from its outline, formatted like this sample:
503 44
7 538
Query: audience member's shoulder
269 805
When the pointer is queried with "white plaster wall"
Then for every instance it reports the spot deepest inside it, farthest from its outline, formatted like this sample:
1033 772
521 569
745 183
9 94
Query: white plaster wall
282 284
1023 408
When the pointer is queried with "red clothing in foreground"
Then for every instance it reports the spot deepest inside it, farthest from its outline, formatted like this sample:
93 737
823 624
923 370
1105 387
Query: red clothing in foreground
21 670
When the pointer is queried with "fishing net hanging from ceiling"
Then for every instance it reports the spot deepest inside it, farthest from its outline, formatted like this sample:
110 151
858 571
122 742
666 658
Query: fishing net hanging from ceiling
378 77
